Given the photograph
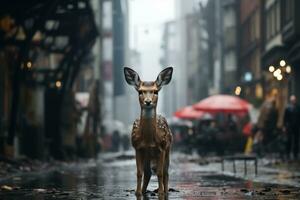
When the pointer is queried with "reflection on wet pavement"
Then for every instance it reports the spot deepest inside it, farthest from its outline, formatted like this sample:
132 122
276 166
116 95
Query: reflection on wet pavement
116 179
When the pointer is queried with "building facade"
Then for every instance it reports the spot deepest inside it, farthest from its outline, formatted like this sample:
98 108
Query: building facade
279 59
170 58
250 51
41 64
229 12
290 27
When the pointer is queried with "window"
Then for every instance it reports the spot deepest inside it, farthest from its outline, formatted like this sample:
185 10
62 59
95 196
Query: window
288 8
257 25
273 20
250 29
277 16
268 30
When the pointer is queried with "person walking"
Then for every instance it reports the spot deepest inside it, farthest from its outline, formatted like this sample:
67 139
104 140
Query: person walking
266 124
292 126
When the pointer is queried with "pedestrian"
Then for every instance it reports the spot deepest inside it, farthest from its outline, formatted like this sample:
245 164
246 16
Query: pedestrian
291 127
267 124
231 124
116 139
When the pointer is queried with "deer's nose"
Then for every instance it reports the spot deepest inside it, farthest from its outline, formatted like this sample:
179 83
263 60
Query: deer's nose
148 102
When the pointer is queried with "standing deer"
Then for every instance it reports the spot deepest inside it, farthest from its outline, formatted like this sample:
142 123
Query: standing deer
151 136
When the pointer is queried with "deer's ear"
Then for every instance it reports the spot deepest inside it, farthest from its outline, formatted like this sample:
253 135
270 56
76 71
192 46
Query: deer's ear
164 77
132 77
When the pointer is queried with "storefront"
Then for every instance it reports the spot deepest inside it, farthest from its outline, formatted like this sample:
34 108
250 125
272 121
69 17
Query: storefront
278 78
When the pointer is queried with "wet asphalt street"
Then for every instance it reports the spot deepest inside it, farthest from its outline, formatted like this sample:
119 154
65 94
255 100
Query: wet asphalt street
115 178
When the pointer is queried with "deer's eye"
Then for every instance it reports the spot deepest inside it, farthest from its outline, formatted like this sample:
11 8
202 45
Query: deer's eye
156 92
140 92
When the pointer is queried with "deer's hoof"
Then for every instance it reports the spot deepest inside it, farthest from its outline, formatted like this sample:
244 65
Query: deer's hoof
138 193
161 192
144 191
166 190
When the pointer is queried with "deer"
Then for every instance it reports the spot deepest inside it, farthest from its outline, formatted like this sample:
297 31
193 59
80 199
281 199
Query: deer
151 136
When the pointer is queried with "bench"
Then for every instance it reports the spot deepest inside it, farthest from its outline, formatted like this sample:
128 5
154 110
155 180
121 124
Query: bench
244 158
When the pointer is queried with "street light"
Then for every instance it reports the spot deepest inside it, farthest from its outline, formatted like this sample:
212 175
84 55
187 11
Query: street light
238 90
248 76
280 71
29 64
58 84
277 72
282 63
288 69
279 77
271 69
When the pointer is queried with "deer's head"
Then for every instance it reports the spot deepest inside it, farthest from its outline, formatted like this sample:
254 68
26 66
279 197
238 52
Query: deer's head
148 90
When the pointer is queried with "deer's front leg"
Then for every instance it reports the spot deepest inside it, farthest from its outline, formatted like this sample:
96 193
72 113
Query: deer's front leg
166 171
139 170
147 175
160 171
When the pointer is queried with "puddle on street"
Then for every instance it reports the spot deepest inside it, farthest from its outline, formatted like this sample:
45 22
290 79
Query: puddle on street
117 180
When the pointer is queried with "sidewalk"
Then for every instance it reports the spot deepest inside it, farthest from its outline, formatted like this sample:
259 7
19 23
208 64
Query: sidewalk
271 171
280 172
13 167
10 167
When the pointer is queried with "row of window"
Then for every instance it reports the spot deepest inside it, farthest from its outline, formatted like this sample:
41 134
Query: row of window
288 10
279 10
273 20
251 30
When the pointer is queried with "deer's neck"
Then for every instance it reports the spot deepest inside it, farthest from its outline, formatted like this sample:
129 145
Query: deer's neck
148 124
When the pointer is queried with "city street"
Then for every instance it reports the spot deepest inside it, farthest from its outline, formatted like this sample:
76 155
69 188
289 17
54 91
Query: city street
113 177
214 83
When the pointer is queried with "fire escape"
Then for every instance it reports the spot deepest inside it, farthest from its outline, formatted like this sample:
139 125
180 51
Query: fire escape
63 29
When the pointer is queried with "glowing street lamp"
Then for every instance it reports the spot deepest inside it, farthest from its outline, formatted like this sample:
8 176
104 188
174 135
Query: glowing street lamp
288 69
280 71
282 63
58 84
279 77
271 69
238 90
277 72
29 64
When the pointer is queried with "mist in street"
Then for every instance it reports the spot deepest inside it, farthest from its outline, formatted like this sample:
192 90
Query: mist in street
139 99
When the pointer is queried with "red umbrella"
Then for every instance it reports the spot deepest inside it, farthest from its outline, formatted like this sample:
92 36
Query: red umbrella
223 103
188 113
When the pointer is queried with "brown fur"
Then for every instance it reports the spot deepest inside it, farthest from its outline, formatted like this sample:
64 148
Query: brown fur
155 148
151 136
